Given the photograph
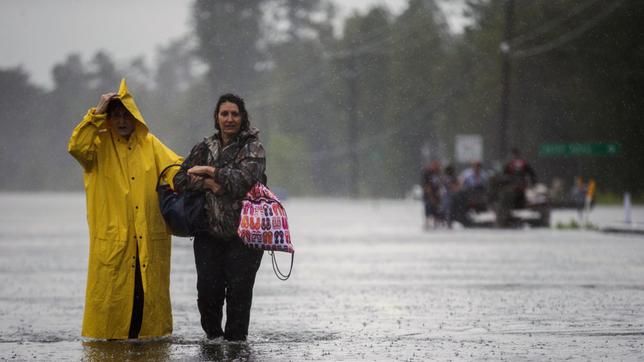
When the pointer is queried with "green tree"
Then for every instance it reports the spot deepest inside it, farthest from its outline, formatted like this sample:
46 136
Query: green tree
294 108
19 140
420 40
70 98
365 60
228 35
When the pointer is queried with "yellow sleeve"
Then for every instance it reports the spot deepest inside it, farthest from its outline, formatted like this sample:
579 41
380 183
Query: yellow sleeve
163 157
84 140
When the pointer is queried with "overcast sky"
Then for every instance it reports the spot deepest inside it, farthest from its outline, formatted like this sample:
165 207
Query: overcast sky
36 34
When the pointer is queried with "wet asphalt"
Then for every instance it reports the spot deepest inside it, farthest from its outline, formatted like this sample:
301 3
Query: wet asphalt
368 284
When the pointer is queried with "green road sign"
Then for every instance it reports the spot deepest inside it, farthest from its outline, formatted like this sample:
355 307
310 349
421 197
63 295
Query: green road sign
580 149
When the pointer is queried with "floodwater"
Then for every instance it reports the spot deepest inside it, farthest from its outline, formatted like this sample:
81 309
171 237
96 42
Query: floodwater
368 284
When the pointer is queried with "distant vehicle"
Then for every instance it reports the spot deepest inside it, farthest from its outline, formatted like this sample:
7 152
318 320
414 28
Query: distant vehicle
503 205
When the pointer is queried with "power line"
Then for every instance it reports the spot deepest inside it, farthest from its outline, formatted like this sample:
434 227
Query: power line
369 48
548 26
366 143
314 74
569 36
376 38
295 83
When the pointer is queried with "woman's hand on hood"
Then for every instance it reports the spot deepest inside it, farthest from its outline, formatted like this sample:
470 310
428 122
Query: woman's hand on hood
105 99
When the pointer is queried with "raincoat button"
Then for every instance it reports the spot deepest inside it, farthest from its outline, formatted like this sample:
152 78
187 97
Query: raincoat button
133 265
134 257
140 237
144 265
129 148
132 177
136 207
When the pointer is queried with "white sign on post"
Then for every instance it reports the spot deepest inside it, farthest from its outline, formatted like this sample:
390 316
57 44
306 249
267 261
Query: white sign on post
468 148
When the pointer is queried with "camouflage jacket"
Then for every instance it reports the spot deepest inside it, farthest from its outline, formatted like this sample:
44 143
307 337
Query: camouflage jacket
239 165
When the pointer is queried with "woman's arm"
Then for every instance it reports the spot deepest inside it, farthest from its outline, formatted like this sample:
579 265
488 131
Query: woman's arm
84 140
182 180
248 169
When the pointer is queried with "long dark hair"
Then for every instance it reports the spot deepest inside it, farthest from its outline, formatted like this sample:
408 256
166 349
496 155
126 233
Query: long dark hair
239 101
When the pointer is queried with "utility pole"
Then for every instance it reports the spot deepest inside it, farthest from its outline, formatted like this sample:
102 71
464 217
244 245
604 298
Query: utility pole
352 132
505 76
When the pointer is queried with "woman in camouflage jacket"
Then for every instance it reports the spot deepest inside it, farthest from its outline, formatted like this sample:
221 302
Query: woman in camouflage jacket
226 165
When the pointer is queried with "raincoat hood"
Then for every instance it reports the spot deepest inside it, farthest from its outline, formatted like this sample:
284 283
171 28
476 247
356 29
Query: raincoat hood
127 99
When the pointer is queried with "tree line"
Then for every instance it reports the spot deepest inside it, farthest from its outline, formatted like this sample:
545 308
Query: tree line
360 112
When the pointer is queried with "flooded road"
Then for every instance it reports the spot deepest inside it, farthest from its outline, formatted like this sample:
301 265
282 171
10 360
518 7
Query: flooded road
368 284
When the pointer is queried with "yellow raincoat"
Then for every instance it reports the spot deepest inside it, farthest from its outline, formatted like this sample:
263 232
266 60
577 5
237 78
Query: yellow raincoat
123 213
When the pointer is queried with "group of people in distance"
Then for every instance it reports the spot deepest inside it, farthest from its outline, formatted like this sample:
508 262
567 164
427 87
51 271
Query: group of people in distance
128 280
442 187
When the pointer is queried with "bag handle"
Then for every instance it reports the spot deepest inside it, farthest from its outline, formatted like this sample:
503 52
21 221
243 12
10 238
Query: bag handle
281 276
166 169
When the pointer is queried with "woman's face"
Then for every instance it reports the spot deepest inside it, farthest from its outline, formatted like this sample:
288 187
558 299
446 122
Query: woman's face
121 121
229 119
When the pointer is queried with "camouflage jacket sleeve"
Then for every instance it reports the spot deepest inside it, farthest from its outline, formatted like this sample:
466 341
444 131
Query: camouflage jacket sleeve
198 156
248 168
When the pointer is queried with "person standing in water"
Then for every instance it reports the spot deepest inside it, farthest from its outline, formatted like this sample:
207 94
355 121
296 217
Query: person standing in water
226 165
128 277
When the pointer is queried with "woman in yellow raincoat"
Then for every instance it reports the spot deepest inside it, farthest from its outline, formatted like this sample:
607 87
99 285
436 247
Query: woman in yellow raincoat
128 278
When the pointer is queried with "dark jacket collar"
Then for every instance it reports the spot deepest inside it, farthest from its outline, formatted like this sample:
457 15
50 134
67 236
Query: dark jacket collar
242 137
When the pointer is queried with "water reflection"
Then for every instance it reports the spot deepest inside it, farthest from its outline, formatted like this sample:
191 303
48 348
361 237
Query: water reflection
227 351
166 350
158 350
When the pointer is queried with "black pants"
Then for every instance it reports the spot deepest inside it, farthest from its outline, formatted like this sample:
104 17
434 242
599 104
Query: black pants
137 307
226 270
